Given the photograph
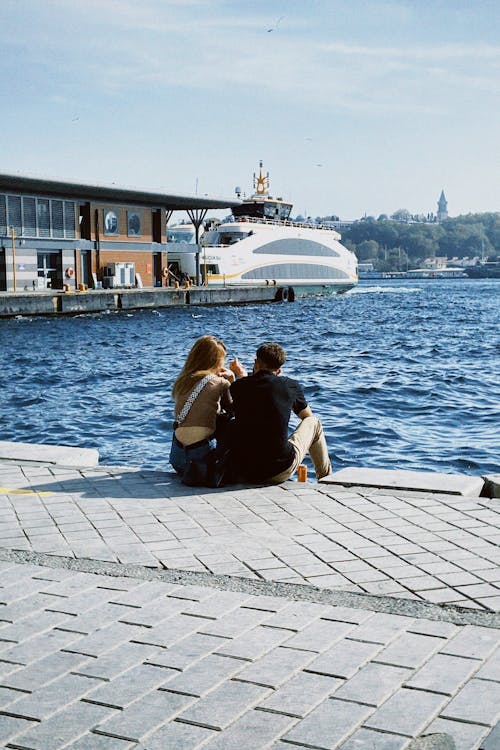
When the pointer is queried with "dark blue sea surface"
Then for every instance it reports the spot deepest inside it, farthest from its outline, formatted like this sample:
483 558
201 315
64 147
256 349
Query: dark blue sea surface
403 374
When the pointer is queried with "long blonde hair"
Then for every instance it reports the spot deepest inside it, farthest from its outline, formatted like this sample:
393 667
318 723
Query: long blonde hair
207 355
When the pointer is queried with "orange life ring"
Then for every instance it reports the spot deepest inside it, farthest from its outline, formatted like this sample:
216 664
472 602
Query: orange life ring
70 272
165 272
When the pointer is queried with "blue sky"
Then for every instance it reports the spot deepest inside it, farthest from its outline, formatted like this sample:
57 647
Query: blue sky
354 106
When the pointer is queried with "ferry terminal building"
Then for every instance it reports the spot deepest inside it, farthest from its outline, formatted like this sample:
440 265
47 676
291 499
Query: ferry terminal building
56 233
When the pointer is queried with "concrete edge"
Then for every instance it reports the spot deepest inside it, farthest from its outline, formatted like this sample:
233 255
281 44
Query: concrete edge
394 479
56 455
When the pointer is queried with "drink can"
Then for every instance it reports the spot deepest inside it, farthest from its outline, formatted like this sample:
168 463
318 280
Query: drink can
302 473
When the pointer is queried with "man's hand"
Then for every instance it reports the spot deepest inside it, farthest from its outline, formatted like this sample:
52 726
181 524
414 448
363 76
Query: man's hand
238 369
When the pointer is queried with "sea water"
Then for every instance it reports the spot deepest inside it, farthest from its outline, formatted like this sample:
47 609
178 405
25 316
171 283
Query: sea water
403 374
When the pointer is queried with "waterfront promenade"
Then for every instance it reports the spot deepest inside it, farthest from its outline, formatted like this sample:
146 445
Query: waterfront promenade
136 613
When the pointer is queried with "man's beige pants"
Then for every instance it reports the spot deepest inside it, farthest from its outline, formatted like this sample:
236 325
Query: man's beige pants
307 438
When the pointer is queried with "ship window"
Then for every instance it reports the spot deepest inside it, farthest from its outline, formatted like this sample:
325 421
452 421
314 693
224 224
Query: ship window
229 238
295 271
184 236
296 247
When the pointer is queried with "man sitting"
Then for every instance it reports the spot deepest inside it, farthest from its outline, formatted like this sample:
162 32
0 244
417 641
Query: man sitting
261 450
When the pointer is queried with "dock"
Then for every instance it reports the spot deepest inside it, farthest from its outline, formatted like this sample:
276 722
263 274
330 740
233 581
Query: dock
101 300
362 611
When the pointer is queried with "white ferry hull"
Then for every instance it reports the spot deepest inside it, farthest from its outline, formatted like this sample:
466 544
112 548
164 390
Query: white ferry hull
309 260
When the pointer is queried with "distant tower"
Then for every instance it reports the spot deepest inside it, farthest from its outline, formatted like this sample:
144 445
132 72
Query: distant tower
442 212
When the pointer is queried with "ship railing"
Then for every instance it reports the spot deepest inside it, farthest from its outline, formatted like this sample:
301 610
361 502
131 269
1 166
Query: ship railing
285 223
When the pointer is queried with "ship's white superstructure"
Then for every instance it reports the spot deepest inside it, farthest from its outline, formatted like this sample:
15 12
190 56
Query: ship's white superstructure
259 244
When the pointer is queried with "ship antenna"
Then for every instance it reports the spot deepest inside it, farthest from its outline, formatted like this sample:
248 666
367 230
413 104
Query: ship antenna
261 183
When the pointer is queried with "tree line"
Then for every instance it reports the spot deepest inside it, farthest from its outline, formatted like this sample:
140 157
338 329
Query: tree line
399 245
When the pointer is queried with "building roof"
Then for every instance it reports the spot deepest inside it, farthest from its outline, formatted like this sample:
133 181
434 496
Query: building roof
109 193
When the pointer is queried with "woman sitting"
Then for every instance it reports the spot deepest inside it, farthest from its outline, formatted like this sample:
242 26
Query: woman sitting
200 392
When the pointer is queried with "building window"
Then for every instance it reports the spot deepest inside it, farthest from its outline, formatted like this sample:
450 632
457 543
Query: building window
29 217
110 223
43 217
69 219
134 227
14 213
57 219
3 215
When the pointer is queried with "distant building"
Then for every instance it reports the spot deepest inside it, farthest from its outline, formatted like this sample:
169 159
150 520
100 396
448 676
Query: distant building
56 233
442 212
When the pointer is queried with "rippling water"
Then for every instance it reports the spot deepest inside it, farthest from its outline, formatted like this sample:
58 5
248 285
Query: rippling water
403 374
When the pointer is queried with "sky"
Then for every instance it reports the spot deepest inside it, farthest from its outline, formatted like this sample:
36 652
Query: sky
356 107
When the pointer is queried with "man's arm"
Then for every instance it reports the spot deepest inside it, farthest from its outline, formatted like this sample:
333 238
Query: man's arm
307 412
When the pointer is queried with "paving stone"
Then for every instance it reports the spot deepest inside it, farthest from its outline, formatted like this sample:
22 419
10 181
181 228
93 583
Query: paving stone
365 739
410 650
42 672
11 727
465 736
178 736
116 661
320 635
152 613
491 668
252 645
276 667
478 702
407 712
234 623
328 725
224 705
91 741
206 674
258 727
344 658
51 698
439 741
65 726
30 627
170 631
39 646
373 684
473 642
105 639
145 715
130 686
443 674
492 741
186 652
91 621
381 628
300 694
219 604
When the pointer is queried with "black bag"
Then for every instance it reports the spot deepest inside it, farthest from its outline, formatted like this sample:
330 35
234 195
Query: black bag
209 472
195 472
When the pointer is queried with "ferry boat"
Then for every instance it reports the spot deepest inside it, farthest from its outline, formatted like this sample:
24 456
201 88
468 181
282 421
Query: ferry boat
260 244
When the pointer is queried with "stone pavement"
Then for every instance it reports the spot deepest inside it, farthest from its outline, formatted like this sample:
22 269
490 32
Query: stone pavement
137 613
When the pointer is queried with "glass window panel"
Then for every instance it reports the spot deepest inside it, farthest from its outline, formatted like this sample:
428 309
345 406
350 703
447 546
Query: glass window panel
43 217
69 219
29 217
3 215
14 212
57 219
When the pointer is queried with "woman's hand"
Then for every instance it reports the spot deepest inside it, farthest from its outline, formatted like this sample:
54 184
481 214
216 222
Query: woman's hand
237 368
227 374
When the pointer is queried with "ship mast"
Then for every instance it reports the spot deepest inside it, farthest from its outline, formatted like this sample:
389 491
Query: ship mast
261 183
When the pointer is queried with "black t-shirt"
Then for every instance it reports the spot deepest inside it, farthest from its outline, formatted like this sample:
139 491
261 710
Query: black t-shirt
262 405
